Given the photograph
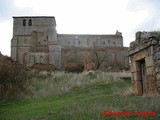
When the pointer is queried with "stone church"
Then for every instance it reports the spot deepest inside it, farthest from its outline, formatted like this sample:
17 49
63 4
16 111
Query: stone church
35 40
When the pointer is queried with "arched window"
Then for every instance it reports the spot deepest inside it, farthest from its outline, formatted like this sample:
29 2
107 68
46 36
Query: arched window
41 59
24 22
30 22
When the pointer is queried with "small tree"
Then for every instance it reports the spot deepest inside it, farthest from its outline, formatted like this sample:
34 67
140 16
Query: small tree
99 56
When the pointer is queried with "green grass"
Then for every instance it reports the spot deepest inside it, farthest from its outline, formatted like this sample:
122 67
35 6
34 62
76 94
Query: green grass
78 97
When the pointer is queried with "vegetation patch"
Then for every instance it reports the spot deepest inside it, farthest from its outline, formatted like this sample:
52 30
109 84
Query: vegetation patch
14 79
64 96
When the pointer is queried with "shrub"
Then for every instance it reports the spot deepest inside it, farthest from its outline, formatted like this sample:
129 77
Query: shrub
14 79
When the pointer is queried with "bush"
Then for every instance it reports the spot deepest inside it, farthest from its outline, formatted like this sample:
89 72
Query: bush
14 79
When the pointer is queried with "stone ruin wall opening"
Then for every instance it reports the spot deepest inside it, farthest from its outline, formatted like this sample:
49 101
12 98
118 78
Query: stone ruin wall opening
144 54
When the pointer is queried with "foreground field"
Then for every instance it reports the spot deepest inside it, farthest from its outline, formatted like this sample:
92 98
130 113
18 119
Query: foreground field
61 96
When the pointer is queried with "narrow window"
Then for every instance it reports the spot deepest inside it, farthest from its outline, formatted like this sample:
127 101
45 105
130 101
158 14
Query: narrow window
24 22
103 42
30 22
79 42
114 43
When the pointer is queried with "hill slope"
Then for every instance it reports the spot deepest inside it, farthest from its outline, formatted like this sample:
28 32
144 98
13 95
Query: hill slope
61 96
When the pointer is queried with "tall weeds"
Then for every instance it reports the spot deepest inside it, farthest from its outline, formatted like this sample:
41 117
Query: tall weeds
60 82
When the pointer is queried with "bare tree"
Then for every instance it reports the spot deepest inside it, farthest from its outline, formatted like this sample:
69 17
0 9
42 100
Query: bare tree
99 56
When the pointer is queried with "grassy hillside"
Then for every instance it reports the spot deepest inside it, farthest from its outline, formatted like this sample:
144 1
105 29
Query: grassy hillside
61 96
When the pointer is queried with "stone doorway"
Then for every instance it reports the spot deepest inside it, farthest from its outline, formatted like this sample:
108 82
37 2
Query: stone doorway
143 76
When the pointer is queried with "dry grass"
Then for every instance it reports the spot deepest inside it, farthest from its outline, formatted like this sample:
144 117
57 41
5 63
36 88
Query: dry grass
59 83
85 96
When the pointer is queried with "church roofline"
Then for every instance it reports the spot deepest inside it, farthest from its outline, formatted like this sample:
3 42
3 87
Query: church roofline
33 17
87 35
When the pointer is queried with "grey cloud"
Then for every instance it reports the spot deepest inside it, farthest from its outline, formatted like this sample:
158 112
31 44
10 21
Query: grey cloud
9 9
152 22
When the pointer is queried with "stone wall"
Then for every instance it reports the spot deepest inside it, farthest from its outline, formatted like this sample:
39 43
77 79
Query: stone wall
35 40
55 55
39 23
39 57
19 42
111 56
90 40
145 63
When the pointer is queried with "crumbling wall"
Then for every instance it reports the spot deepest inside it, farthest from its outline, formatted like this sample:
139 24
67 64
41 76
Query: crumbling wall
88 64
156 59
146 48
112 57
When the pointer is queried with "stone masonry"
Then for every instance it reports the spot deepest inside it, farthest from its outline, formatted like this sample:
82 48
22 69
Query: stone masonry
35 40
144 54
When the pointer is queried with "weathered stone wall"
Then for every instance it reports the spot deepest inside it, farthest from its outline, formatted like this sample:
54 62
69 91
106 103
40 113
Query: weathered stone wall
156 62
39 57
35 40
111 56
90 40
145 49
19 42
40 24
55 55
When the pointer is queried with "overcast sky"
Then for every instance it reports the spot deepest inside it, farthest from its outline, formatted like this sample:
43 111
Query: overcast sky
83 17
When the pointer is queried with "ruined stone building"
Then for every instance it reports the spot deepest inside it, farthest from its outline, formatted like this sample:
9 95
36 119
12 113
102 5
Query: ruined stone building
144 54
35 40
